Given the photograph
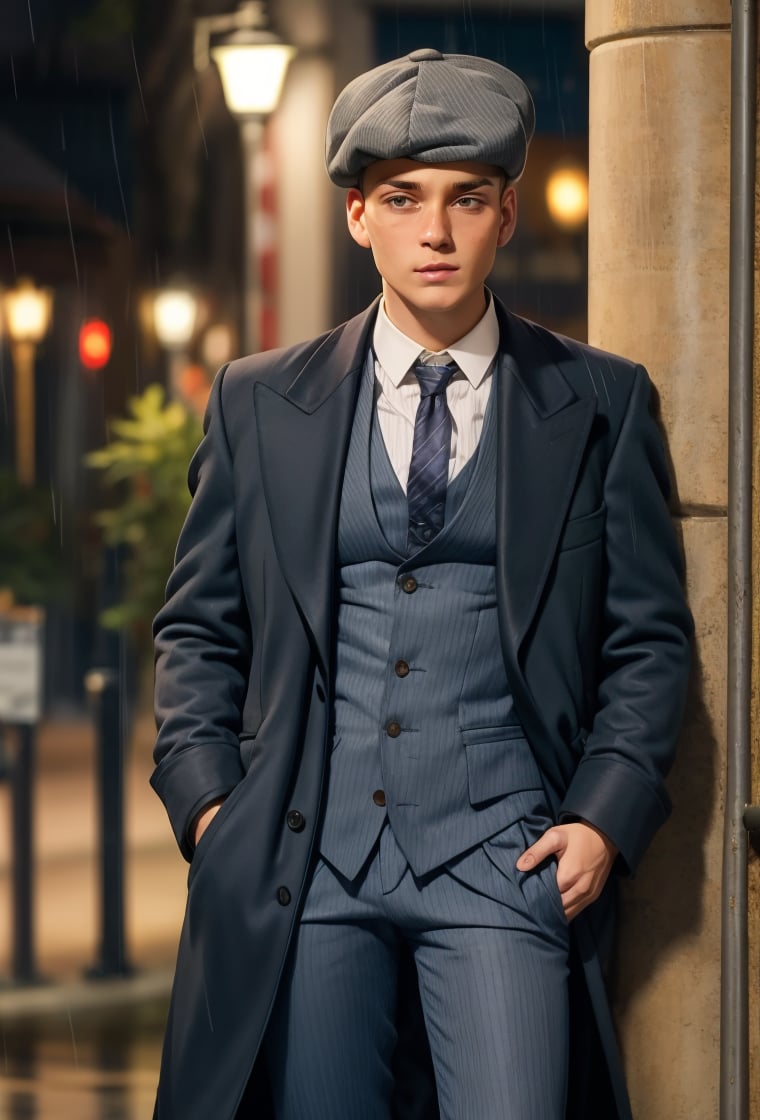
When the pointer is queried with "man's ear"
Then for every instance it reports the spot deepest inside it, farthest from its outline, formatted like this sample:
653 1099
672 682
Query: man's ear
355 217
508 216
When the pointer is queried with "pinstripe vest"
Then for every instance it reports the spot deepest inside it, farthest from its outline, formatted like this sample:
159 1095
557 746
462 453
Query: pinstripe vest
425 732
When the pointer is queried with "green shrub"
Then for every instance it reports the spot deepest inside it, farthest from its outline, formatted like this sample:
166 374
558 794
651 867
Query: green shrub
145 466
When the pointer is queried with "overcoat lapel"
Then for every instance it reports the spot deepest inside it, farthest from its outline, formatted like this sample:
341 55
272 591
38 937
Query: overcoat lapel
303 441
543 430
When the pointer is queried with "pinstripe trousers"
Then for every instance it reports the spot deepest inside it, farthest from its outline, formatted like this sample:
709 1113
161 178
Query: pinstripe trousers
490 948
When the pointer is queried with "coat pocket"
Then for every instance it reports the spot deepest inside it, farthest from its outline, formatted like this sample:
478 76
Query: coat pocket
499 762
583 530
214 828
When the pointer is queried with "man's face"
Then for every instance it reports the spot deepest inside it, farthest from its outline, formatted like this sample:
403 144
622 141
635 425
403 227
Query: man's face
433 230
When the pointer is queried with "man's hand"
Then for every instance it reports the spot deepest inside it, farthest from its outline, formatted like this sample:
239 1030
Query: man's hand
204 819
584 859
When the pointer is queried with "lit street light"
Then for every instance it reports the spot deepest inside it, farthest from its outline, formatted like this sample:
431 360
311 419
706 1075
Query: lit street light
174 314
174 311
252 63
27 312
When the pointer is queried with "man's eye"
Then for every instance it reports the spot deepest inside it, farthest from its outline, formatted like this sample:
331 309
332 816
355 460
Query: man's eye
398 201
468 202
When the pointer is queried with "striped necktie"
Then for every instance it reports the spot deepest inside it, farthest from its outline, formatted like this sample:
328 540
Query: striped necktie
429 468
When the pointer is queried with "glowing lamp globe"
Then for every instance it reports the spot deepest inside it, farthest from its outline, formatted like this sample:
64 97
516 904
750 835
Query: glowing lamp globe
252 66
27 312
174 312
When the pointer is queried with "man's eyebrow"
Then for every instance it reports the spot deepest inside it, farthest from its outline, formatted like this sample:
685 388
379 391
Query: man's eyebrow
473 184
465 185
401 184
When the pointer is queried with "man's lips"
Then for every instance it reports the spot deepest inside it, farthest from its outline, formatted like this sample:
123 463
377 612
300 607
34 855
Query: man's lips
436 271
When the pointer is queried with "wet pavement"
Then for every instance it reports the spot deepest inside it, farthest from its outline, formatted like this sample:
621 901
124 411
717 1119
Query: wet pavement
73 1047
94 1064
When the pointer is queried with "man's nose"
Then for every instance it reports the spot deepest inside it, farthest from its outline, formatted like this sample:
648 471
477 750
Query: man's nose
436 228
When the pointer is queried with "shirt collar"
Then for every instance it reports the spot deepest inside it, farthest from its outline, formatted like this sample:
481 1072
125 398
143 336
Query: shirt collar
474 353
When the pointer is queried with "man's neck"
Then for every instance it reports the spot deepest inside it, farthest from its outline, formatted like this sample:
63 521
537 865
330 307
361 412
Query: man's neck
435 330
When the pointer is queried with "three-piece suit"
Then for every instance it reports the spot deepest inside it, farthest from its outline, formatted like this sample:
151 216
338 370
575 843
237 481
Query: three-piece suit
589 633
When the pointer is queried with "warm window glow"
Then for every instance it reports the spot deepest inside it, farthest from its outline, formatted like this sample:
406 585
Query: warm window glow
567 197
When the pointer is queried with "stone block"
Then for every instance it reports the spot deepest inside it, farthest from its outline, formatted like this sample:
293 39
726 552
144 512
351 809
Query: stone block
607 19
658 236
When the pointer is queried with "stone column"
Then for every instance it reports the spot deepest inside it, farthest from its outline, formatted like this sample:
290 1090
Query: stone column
658 293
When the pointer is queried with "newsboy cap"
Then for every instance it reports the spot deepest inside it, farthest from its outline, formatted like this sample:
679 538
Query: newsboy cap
431 107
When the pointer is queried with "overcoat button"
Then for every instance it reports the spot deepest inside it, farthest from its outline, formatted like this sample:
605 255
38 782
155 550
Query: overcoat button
394 729
379 797
283 896
402 668
296 820
409 584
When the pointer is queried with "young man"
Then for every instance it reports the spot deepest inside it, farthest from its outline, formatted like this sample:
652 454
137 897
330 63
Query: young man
421 666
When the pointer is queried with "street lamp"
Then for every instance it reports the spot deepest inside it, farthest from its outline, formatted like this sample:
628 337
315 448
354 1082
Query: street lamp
252 63
174 313
27 312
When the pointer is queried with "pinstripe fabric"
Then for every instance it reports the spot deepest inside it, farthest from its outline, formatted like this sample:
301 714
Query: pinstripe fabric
429 468
379 516
389 505
441 739
432 107
490 948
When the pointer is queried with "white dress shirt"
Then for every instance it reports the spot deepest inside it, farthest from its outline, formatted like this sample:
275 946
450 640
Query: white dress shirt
398 390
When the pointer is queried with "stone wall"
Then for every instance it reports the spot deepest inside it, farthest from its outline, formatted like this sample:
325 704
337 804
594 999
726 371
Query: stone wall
658 292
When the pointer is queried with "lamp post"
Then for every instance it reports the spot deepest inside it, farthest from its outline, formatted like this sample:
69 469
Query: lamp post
252 63
27 318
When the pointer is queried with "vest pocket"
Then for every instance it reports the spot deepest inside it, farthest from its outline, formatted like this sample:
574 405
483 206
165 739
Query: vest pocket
499 762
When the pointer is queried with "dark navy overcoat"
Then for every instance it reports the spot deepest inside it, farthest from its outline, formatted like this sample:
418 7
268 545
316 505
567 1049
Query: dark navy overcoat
594 634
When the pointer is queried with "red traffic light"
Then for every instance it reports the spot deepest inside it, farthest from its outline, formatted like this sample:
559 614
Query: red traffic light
94 344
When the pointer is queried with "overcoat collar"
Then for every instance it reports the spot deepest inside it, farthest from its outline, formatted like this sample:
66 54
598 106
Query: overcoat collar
303 442
543 431
304 429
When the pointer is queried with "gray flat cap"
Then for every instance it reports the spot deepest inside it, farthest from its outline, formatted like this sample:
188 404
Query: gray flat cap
431 107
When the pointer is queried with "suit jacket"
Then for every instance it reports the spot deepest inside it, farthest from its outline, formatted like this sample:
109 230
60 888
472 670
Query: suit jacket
594 633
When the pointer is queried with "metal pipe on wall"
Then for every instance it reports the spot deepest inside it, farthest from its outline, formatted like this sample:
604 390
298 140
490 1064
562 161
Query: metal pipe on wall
734 1071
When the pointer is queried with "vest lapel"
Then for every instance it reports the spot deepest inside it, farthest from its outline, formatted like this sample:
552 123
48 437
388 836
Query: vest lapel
543 430
303 441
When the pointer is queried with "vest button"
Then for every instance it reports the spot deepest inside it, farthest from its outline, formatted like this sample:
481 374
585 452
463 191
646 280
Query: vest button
402 668
409 584
295 820
393 729
283 896
378 797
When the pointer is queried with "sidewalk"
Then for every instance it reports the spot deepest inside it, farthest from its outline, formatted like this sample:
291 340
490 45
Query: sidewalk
66 902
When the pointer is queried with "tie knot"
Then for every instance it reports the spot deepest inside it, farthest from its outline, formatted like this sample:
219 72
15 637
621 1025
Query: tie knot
433 379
